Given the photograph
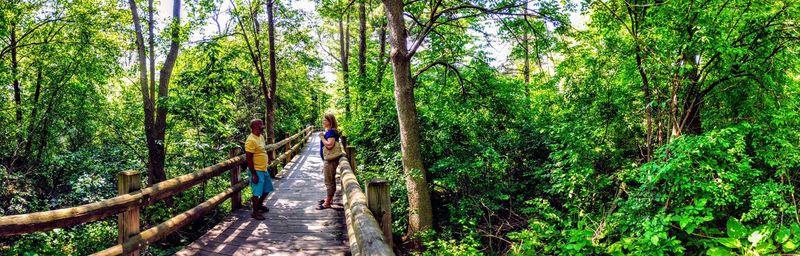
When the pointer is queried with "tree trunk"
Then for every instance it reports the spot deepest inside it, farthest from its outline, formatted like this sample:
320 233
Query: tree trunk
692 117
270 122
152 54
647 100
637 14
381 55
148 107
674 121
526 68
362 41
15 73
362 49
344 50
691 123
155 119
33 123
163 93
258 62
420 214
686 120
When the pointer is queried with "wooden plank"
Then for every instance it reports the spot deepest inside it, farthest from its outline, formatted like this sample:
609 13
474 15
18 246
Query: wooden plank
292 226
230 247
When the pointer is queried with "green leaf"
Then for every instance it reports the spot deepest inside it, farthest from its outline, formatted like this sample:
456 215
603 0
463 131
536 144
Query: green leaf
783 235
730 242
719 251
765 248
789 246
736 229
654 239
700 203
683 221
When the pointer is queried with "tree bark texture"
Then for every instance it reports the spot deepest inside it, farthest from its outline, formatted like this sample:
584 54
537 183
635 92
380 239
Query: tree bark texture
381 55
15 73
420 214
155 118
362 40
273 73
344 43
526 68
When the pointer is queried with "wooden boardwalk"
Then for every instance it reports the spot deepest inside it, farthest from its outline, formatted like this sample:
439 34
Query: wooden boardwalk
293 225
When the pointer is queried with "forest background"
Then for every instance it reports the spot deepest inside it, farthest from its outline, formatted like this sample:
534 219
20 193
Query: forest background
642 127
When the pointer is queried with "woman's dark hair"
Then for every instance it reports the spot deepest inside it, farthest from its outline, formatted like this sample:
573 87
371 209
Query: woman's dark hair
332 120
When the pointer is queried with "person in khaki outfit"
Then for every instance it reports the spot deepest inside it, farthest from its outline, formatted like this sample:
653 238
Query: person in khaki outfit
328 140
257 163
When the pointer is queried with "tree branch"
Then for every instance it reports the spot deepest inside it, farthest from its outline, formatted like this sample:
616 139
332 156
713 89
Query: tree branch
446 66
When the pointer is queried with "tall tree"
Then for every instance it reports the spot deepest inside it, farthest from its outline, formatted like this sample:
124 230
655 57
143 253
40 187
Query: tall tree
155 109
362 40
250 30
530 38
15 71
713 47
381 53
440 13
44 57
344 54
273 80
25 31
420 214
253 41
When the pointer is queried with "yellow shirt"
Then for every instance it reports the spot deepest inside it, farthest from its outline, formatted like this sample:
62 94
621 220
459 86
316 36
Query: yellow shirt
255 144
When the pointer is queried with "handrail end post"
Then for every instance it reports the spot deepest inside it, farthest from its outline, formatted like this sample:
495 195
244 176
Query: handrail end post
380 205
128 224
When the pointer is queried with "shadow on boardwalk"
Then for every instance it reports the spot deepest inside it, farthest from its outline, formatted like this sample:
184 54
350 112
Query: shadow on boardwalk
293 225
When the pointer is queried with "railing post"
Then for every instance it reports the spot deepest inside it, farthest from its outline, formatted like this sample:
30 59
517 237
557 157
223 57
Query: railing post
344 142
128 221
236 198
288 148
351 157
380 205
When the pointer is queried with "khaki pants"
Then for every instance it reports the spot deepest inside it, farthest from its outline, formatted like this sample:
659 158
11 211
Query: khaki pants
329 170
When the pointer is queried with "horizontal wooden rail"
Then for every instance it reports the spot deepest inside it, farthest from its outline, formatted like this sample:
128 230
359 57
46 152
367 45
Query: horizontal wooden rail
48 220
363 231
276 145
60 218
162 230
282 158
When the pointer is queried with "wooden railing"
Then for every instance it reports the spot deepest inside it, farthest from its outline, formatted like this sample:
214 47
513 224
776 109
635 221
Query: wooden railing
131 199
366 234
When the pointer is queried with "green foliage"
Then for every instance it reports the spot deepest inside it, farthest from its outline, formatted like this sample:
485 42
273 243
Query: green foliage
82 118
81 240
559 165
468 245
764 239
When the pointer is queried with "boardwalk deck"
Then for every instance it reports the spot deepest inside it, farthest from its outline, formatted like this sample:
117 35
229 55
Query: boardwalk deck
293 226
